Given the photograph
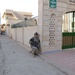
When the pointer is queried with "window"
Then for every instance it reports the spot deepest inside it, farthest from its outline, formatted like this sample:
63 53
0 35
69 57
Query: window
68 22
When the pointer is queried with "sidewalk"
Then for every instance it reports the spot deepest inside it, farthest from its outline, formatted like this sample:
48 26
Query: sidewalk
62 60
18 61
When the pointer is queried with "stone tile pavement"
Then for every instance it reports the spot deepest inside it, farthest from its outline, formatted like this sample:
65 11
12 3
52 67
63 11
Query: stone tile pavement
18 61
63 60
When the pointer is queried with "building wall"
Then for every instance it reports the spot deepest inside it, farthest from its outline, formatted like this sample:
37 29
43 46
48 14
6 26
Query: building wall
19 35
50 23
29 33
13 32
0 19
23 34
8 31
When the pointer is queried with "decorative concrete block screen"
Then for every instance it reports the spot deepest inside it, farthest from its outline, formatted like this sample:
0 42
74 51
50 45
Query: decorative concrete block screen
52 30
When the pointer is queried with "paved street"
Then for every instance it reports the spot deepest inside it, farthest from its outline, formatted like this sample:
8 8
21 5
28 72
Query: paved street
2 60
18 61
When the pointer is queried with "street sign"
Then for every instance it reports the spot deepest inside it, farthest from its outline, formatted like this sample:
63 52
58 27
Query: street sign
52 3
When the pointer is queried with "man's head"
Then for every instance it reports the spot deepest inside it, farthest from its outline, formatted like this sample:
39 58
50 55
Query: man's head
36 34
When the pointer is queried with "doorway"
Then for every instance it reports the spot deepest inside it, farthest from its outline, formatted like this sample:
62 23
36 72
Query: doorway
68 30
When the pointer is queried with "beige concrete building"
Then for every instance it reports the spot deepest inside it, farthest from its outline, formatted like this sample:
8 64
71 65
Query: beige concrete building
17 19
12 17
52 18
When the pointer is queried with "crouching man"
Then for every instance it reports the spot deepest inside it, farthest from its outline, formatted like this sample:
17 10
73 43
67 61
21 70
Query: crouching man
35 44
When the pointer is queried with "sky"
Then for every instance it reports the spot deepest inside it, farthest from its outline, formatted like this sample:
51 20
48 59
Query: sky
20 5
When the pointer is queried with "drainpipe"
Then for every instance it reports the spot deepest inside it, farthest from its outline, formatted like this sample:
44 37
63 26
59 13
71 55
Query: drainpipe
73 23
